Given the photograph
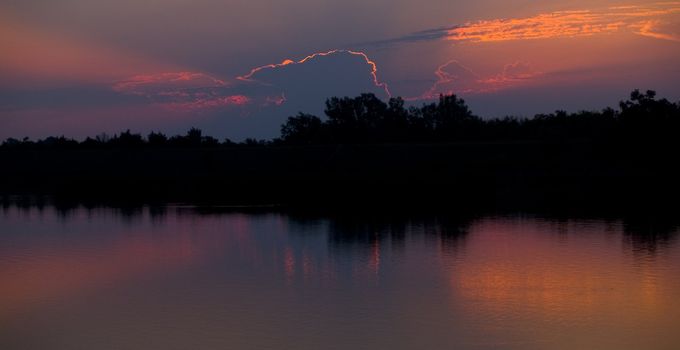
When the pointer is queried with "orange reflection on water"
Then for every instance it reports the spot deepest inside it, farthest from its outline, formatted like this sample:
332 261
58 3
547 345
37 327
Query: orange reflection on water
553 275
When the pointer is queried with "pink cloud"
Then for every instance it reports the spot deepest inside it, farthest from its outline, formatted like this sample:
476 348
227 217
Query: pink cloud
276 100
455 78
167 83
208 103
452 77
182 91
512 74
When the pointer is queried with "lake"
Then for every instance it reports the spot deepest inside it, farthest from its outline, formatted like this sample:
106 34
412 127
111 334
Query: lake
183 277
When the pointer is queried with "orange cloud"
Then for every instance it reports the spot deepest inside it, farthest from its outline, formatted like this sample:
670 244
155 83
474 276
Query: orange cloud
652 29
564 24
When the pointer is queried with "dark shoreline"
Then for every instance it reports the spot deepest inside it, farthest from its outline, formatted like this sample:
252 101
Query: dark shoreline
372 154
602 176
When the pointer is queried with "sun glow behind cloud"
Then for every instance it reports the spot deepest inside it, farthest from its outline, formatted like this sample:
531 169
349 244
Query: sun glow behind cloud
287 62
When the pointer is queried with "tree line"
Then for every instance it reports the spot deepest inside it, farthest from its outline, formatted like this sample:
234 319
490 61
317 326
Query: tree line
194 138
368 119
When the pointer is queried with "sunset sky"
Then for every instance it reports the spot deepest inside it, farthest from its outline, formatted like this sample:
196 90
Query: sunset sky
237 68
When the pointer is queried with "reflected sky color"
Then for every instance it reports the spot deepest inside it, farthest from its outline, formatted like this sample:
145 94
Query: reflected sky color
237 68
185 278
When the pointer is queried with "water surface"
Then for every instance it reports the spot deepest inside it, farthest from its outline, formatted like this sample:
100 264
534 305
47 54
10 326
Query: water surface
187 278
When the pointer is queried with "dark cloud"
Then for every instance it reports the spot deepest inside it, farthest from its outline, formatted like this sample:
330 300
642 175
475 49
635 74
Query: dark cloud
318 76
423 35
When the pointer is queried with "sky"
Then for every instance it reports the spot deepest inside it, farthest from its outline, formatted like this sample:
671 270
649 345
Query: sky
238 68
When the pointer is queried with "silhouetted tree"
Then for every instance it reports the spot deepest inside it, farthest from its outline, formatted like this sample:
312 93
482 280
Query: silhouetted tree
254 142
60 142
453 119
358 119
11 143
194 137
645 118
103 138
157 139
127 139
395 125
302 129
209 141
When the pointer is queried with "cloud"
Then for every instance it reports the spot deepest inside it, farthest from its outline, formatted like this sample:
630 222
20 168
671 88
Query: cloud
253 104
452 77
455 78
303 84
646 20
208 102
516 72
182 91
298 83
269 72
565 24
651 20
658 30
424 35
143 84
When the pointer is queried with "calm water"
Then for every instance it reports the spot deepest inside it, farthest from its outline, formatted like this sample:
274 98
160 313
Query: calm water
182 278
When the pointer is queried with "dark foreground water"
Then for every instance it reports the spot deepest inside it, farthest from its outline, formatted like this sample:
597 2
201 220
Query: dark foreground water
184 278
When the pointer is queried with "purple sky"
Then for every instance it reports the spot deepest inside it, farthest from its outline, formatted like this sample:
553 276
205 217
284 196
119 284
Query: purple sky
237 68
